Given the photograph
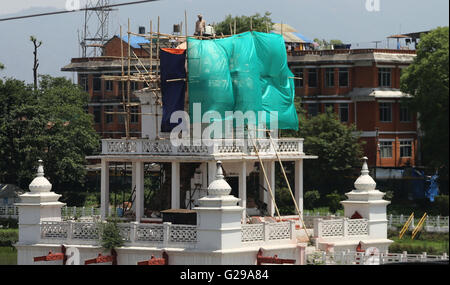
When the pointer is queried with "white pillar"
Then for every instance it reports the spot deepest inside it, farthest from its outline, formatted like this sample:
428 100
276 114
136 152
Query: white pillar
139 201
104 189
270 171
175 185
133 184
211 171
299 184
243 189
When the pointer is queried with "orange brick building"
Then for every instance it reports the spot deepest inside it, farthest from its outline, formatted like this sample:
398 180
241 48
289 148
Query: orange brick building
362 87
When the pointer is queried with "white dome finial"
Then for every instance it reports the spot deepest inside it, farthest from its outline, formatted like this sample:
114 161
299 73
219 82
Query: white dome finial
365 182
219 186
40 183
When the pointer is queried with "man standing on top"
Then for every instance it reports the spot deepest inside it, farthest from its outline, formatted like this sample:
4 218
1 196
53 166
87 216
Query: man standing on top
200 26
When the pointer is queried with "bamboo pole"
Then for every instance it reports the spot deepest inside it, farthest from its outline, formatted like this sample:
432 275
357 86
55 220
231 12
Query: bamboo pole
129 74
289 186
265 177
151 47
234 25
231 30
127 134
251 23
157 102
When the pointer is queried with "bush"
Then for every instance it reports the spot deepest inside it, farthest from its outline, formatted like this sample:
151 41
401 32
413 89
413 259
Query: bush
333 201
311 199
8 237
9 223
110 237
441 203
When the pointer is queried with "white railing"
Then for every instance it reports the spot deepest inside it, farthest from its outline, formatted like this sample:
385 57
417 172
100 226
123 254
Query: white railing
267 232
165 234
9 211
209 147
340 228
362 258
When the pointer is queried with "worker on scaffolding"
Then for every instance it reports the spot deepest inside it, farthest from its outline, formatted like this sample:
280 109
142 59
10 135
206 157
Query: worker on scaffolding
200 26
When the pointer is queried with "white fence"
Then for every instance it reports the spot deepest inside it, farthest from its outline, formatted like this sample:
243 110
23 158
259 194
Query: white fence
211 147
340 227
9 211
166 234
267 232
362 258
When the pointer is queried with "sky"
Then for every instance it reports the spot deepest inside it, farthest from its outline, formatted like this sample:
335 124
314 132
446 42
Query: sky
352 21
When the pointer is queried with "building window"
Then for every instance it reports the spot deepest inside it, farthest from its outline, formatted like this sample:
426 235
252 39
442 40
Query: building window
405 114
97 82
343 77
109 84
384 77
343 112
108 117
312 77
313 109
386 149
97 114
298 72
134 116
385 112
329 77
84 82
405 148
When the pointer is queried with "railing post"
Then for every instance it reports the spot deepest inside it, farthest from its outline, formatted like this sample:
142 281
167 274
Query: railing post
166 233
345 226
292 230
438 223
390 221
133 232
266 231
423 257
404 257
92 212
74 211
70 232
318 227
401 219
83 212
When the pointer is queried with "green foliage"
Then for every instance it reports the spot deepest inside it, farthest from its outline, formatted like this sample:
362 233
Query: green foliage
284 201
1 66
8 237
110 237
9 223
311 198
49 124
259 23
324 44
427 80
333 201
338 150
441 202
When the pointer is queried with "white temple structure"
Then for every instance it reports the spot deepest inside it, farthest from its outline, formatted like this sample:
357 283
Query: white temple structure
222 233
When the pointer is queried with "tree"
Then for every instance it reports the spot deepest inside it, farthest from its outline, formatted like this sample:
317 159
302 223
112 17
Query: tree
49 123
1 66
324 44
426 79
338 149
36 44
257 22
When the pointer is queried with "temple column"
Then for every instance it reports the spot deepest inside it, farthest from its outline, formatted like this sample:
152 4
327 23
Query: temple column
139 201
175 185
243 189
299 184
104 189
133 183
270 170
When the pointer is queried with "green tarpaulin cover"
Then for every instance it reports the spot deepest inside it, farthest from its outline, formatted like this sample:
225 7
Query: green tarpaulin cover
244 72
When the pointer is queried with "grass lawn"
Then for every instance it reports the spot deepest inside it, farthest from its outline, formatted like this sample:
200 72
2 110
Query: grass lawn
432 243
8 255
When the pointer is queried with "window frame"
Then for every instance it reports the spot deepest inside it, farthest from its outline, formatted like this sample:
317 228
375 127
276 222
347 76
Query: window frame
383 147
109 118
97 82
408 146
345 71
329 74
346 108
313 71
382 77
380 111
97 112
402 107
310 115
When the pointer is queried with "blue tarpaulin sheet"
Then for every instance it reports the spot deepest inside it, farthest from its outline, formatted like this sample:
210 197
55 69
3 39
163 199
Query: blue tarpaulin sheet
172 67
